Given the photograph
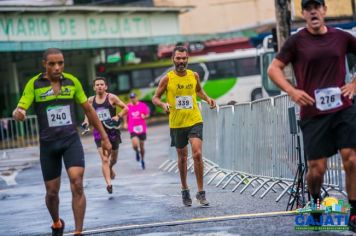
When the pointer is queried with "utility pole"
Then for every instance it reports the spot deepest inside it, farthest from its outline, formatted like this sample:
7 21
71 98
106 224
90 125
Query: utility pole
283 18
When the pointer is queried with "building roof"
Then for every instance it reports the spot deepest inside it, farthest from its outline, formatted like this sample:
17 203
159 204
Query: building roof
76 8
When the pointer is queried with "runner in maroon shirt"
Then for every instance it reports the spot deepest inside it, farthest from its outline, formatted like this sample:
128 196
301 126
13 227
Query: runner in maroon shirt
328 117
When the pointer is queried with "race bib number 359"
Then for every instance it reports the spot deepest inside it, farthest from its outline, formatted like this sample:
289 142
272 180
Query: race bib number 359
59 116
328 98
184 102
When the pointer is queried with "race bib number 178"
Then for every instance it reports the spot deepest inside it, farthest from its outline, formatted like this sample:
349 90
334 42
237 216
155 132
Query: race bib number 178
328 98
103 114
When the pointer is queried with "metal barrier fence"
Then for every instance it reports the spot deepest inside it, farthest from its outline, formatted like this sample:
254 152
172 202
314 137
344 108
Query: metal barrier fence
14 134
250 145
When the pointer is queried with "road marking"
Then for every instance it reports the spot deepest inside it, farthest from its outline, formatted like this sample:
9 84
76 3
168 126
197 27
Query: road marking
188 221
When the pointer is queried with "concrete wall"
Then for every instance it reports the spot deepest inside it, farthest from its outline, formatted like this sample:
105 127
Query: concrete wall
210 16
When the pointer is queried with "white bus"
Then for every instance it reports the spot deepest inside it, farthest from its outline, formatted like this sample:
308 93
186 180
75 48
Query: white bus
226 77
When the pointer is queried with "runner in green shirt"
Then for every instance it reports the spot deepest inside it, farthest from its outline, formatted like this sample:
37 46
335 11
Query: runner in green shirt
54 94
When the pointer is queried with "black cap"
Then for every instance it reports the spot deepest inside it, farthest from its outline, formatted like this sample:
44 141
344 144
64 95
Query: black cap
132 95
306 2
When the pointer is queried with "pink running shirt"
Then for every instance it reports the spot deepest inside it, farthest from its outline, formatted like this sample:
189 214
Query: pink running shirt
136 124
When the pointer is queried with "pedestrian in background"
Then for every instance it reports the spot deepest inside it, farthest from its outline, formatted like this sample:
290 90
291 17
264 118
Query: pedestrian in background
105 105
136 124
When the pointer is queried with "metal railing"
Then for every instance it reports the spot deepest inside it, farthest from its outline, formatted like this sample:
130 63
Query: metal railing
14 134
250 145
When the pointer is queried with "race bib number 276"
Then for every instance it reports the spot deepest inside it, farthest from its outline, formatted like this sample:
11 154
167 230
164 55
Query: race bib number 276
328 98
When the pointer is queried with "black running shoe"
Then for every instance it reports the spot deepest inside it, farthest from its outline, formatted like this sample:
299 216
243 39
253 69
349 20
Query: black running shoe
112 124
143 164
58 231
187 201
109 189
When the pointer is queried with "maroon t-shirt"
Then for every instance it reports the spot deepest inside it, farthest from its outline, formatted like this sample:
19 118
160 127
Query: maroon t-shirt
318 62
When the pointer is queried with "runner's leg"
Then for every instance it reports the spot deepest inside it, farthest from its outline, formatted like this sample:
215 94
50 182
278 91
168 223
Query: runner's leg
105 166
75 175
196 144
52 198
182 165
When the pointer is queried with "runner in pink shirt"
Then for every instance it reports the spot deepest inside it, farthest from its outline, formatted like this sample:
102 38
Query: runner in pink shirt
136 124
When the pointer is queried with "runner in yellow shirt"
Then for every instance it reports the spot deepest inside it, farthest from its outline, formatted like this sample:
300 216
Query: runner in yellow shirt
185 121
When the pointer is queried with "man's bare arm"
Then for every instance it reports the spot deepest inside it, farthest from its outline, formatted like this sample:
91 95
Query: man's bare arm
275 72
162 87
118 103
201 93
86 120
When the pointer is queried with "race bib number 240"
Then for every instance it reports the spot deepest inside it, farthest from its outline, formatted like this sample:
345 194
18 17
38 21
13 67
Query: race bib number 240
59 116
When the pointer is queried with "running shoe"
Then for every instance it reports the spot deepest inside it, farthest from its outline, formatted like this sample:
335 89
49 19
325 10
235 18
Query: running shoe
137 156
352 223
109 189
112 124
58 231
86 129
143 164
187 201
202 199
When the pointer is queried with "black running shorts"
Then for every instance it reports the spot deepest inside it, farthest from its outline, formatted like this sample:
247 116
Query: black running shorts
51 153
180 136
114 142
324 135
141 136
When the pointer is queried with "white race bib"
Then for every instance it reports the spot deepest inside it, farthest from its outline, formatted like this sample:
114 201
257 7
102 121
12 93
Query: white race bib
103 114
59 116
328 98
184 102
138 129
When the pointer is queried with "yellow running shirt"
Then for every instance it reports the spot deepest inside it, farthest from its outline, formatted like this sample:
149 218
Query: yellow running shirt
181 97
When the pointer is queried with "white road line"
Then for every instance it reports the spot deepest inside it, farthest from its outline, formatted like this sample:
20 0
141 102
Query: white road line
187 221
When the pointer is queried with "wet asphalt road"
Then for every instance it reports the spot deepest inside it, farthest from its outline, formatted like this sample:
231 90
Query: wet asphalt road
144 202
